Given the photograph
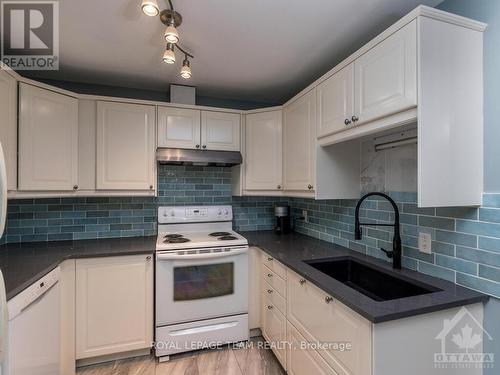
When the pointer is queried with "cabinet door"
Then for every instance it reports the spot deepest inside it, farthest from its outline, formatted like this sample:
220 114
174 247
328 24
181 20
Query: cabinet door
178 128
263 153
386 76
8 126
125 146
336 102
254 287
298 143
220 131
274 329
308 309
302 359
48 140
114 305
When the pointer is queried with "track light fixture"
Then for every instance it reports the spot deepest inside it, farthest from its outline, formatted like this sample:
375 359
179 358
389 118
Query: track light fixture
150 8
186 69
169 55
172 19
171 34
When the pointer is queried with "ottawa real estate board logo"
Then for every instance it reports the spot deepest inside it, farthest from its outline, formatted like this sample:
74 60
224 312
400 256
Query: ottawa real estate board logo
463 343
30 34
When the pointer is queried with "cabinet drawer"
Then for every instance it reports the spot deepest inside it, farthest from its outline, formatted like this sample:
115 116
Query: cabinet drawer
308 308
274 329
273 279
304 361
277 299
274 265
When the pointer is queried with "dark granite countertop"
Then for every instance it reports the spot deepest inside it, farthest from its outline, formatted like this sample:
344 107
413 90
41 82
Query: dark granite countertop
23 264
293 249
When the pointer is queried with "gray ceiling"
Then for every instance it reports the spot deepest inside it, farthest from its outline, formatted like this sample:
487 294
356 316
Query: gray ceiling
260 50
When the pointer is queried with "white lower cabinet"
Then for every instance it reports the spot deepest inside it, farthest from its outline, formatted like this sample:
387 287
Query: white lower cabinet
302 359
320 318
274 329
254 287
114 305
294 308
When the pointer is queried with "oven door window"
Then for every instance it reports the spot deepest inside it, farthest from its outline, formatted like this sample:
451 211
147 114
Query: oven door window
204 281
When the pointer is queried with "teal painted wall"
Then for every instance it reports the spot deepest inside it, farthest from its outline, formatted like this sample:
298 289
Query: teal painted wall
487 11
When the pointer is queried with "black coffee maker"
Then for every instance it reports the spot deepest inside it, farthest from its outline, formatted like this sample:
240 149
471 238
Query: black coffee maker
282 214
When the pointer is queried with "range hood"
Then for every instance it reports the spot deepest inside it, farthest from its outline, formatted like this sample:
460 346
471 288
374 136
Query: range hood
180 156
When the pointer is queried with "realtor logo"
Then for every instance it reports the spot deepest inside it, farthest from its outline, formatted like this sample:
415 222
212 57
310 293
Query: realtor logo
30 35
462 343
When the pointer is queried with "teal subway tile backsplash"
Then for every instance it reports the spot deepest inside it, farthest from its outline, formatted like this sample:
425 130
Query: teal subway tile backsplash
54 219
465 240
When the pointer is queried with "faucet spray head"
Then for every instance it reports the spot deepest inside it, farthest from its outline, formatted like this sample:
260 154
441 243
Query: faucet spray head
357 232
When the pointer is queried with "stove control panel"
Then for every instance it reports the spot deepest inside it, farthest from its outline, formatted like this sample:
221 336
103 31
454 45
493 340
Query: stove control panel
194 214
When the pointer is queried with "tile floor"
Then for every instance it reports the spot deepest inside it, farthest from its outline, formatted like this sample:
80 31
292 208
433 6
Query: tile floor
250 360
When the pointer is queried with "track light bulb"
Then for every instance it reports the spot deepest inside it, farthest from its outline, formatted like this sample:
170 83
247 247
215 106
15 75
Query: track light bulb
186 69
169 55
171 34
150 8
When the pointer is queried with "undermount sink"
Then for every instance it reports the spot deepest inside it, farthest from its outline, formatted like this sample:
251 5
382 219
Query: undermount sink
373 282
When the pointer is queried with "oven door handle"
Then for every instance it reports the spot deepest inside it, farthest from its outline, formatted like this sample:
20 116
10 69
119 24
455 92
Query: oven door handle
222 254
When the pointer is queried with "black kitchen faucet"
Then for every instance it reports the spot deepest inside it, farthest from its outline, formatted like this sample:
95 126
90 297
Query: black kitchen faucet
395 254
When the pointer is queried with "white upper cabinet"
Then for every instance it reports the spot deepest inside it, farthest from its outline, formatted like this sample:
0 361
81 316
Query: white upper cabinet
220 131
335 106
194 129
179 128
48 140
263 152
8 126
125 146
386 76
298 143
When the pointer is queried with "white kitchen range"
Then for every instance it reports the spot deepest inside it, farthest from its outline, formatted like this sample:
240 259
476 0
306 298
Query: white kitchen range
201 280
249 187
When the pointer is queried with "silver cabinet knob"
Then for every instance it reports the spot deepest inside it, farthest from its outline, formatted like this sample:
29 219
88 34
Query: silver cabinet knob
269 275
269 307
197 146
328 299
75 187
204 146
269 291
269 259
354 118
347 121
309 187
148 257
302 281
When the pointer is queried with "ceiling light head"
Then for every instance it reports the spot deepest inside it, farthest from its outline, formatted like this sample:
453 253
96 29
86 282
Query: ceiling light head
169 55
150 8
186 69
171 34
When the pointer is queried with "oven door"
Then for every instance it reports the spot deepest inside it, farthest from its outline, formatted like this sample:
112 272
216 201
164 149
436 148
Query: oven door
207 284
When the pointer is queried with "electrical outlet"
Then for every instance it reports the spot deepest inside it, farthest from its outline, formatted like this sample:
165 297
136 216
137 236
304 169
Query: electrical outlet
424 242
304 215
